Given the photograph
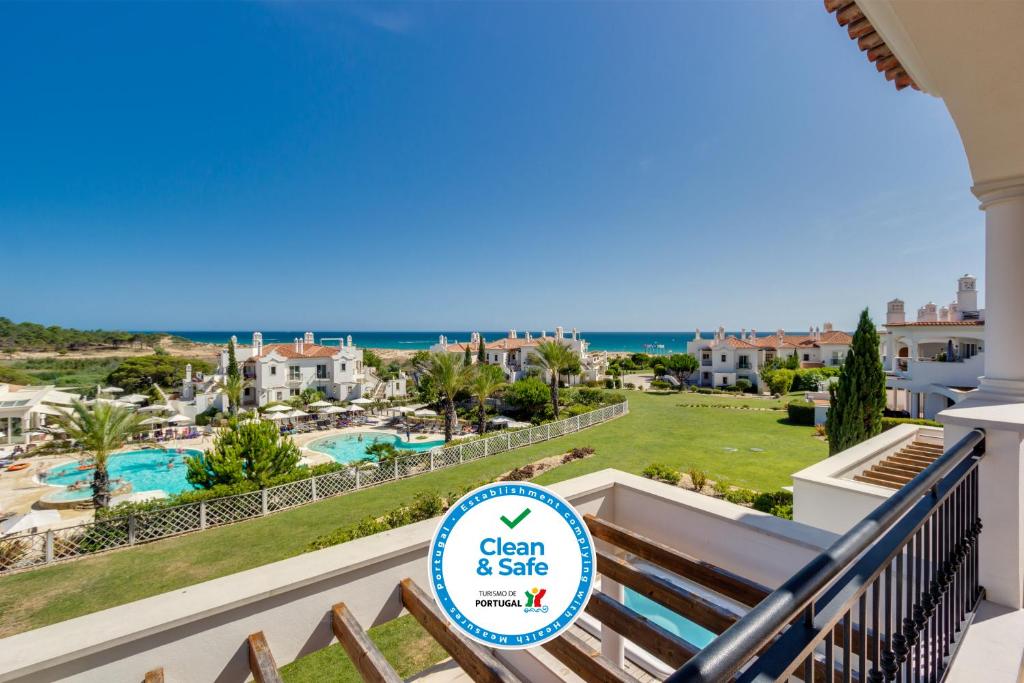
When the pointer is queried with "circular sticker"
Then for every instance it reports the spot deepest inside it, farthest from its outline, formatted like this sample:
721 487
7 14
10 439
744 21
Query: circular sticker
512 565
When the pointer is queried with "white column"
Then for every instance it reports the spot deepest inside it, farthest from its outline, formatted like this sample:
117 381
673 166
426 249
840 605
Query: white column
613 645
998 405
915 404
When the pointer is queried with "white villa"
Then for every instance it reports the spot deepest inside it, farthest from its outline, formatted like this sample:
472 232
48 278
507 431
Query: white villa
933 362
512 353
24 411
724 359
275 372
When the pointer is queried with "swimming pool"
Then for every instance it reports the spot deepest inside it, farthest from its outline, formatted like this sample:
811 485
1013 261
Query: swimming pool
352 446
669 620
145 470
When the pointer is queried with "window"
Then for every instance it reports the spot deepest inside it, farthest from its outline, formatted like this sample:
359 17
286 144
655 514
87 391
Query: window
294 372
321 372
807 357
279 396
293 392
248 391
343 367
273 369
723 357
744 362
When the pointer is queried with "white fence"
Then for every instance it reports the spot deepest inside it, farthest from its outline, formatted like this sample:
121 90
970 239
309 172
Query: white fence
25 551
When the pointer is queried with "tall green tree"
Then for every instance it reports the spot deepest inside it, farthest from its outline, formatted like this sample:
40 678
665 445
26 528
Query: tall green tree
249 450
233 370
857 402
554 358
467 357
100 430
481 351
486 381
447 374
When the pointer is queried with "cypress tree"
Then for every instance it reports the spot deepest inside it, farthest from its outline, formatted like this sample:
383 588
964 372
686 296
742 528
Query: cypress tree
233 370
857 403
481 352
467 357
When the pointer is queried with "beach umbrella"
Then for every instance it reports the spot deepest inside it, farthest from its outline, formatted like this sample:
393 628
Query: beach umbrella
134 398
362 401
155 408
354 409
180 419
111 390
404 409
333 410
298 413
425 412
277 409
155 420
501 420
319 404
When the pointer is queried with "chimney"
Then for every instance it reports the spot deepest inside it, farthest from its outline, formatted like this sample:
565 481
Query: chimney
257 344
234 340
827 327
559 332
348 340
298 348
575 333
188 372
696 334
529 337
743 333
308 338
753 334
512 334
780 333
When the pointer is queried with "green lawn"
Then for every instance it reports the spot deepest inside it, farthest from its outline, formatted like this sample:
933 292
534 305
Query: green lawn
656 430
404 643
737 400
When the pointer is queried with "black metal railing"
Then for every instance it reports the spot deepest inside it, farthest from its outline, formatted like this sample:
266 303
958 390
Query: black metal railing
907 586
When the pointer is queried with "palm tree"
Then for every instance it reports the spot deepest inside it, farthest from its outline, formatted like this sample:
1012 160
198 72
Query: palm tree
100 430
554 358
486 381
449 375
233 386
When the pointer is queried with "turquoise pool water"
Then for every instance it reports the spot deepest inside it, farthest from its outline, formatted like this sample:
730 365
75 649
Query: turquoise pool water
145 470
349 447
669 620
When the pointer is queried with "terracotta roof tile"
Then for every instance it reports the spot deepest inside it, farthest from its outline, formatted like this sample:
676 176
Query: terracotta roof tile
308 351
939 323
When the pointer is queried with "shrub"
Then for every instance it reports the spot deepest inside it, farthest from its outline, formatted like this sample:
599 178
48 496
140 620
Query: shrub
779 381
699 478
778 503
630 385
801 412
820 430
732 389
660 472
743 384
609 383
521 473
660 384
740 496
890 422
577 454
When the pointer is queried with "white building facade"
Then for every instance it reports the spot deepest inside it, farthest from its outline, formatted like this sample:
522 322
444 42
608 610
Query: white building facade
513 353
932 362
724 359
277 372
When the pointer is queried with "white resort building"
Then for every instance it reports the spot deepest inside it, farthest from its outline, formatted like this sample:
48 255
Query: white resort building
512 353
276 372
26 411
932 362
724 359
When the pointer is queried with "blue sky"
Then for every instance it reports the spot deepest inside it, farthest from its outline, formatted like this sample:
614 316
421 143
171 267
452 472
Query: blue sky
610 166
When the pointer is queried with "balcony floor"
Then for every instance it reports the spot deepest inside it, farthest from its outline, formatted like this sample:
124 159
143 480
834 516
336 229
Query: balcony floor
992 647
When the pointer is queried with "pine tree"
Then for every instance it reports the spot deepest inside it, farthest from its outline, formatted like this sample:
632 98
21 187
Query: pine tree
233 370
857 403
481 352
251 451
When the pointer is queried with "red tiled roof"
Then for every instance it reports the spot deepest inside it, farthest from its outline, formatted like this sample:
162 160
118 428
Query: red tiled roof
939 323
738 343
859 28
308 351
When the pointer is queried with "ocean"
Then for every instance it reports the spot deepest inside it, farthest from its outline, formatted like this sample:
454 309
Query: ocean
630 342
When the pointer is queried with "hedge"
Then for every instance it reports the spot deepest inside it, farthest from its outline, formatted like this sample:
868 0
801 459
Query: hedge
801 412
890 422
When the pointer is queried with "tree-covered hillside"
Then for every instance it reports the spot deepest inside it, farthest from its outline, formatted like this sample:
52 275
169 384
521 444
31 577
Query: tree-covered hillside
35 337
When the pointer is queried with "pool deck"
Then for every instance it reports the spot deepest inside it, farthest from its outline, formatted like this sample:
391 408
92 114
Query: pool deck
19 491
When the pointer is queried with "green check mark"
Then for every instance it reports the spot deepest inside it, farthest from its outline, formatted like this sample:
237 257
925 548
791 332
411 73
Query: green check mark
512 523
